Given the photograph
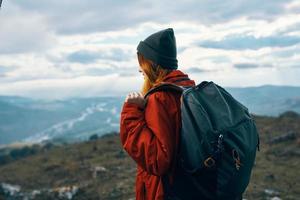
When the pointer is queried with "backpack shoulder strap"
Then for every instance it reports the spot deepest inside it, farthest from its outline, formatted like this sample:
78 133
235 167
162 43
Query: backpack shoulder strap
164 86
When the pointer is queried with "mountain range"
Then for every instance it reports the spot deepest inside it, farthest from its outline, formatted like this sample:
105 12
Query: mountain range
35 120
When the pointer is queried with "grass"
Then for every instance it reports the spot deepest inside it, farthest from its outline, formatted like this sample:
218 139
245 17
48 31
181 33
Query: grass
276 166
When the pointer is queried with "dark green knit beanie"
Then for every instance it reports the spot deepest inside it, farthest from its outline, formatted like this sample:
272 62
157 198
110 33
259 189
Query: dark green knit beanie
160 47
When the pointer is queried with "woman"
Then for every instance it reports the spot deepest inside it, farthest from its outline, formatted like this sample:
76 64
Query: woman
149 130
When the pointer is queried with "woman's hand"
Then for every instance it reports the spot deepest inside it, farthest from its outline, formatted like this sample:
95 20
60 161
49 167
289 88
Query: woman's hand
137 98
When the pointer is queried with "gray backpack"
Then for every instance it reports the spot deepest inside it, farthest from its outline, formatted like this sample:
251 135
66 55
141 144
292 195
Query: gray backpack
218 142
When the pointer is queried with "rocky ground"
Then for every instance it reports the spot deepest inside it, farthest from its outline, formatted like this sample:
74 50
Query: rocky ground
100 169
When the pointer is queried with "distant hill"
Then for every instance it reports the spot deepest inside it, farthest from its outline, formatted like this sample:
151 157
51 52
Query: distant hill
31 120
101 169
268 100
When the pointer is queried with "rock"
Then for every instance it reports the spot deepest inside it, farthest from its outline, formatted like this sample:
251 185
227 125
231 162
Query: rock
298 142
121 154
271 192
35 193
9 189
275 198
1 193
290 151
270 177
283 138
115 193
67 192
97 170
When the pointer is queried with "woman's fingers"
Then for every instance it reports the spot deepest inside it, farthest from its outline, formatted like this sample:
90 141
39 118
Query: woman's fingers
129 96
134 94
135 97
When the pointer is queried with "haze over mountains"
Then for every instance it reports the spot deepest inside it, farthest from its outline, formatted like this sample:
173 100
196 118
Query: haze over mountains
31 120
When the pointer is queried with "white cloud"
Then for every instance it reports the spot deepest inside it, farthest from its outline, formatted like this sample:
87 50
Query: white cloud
23 31
83 86
251 77
39 38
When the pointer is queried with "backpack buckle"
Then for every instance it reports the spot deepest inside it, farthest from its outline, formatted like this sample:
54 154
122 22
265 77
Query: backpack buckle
209 162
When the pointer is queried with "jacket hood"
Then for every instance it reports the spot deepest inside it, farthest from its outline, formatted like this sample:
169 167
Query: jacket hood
178 77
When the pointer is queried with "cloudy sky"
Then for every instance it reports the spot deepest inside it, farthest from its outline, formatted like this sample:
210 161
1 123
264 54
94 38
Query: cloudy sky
64 48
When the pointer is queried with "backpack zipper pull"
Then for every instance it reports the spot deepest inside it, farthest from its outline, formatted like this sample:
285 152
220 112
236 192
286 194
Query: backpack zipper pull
237 159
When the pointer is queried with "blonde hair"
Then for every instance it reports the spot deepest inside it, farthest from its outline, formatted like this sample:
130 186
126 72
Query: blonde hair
154 73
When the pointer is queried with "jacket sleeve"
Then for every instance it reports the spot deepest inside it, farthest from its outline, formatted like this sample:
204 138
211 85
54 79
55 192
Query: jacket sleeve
148 135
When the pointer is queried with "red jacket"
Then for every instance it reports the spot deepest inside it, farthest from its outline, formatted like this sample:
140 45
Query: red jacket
150 136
